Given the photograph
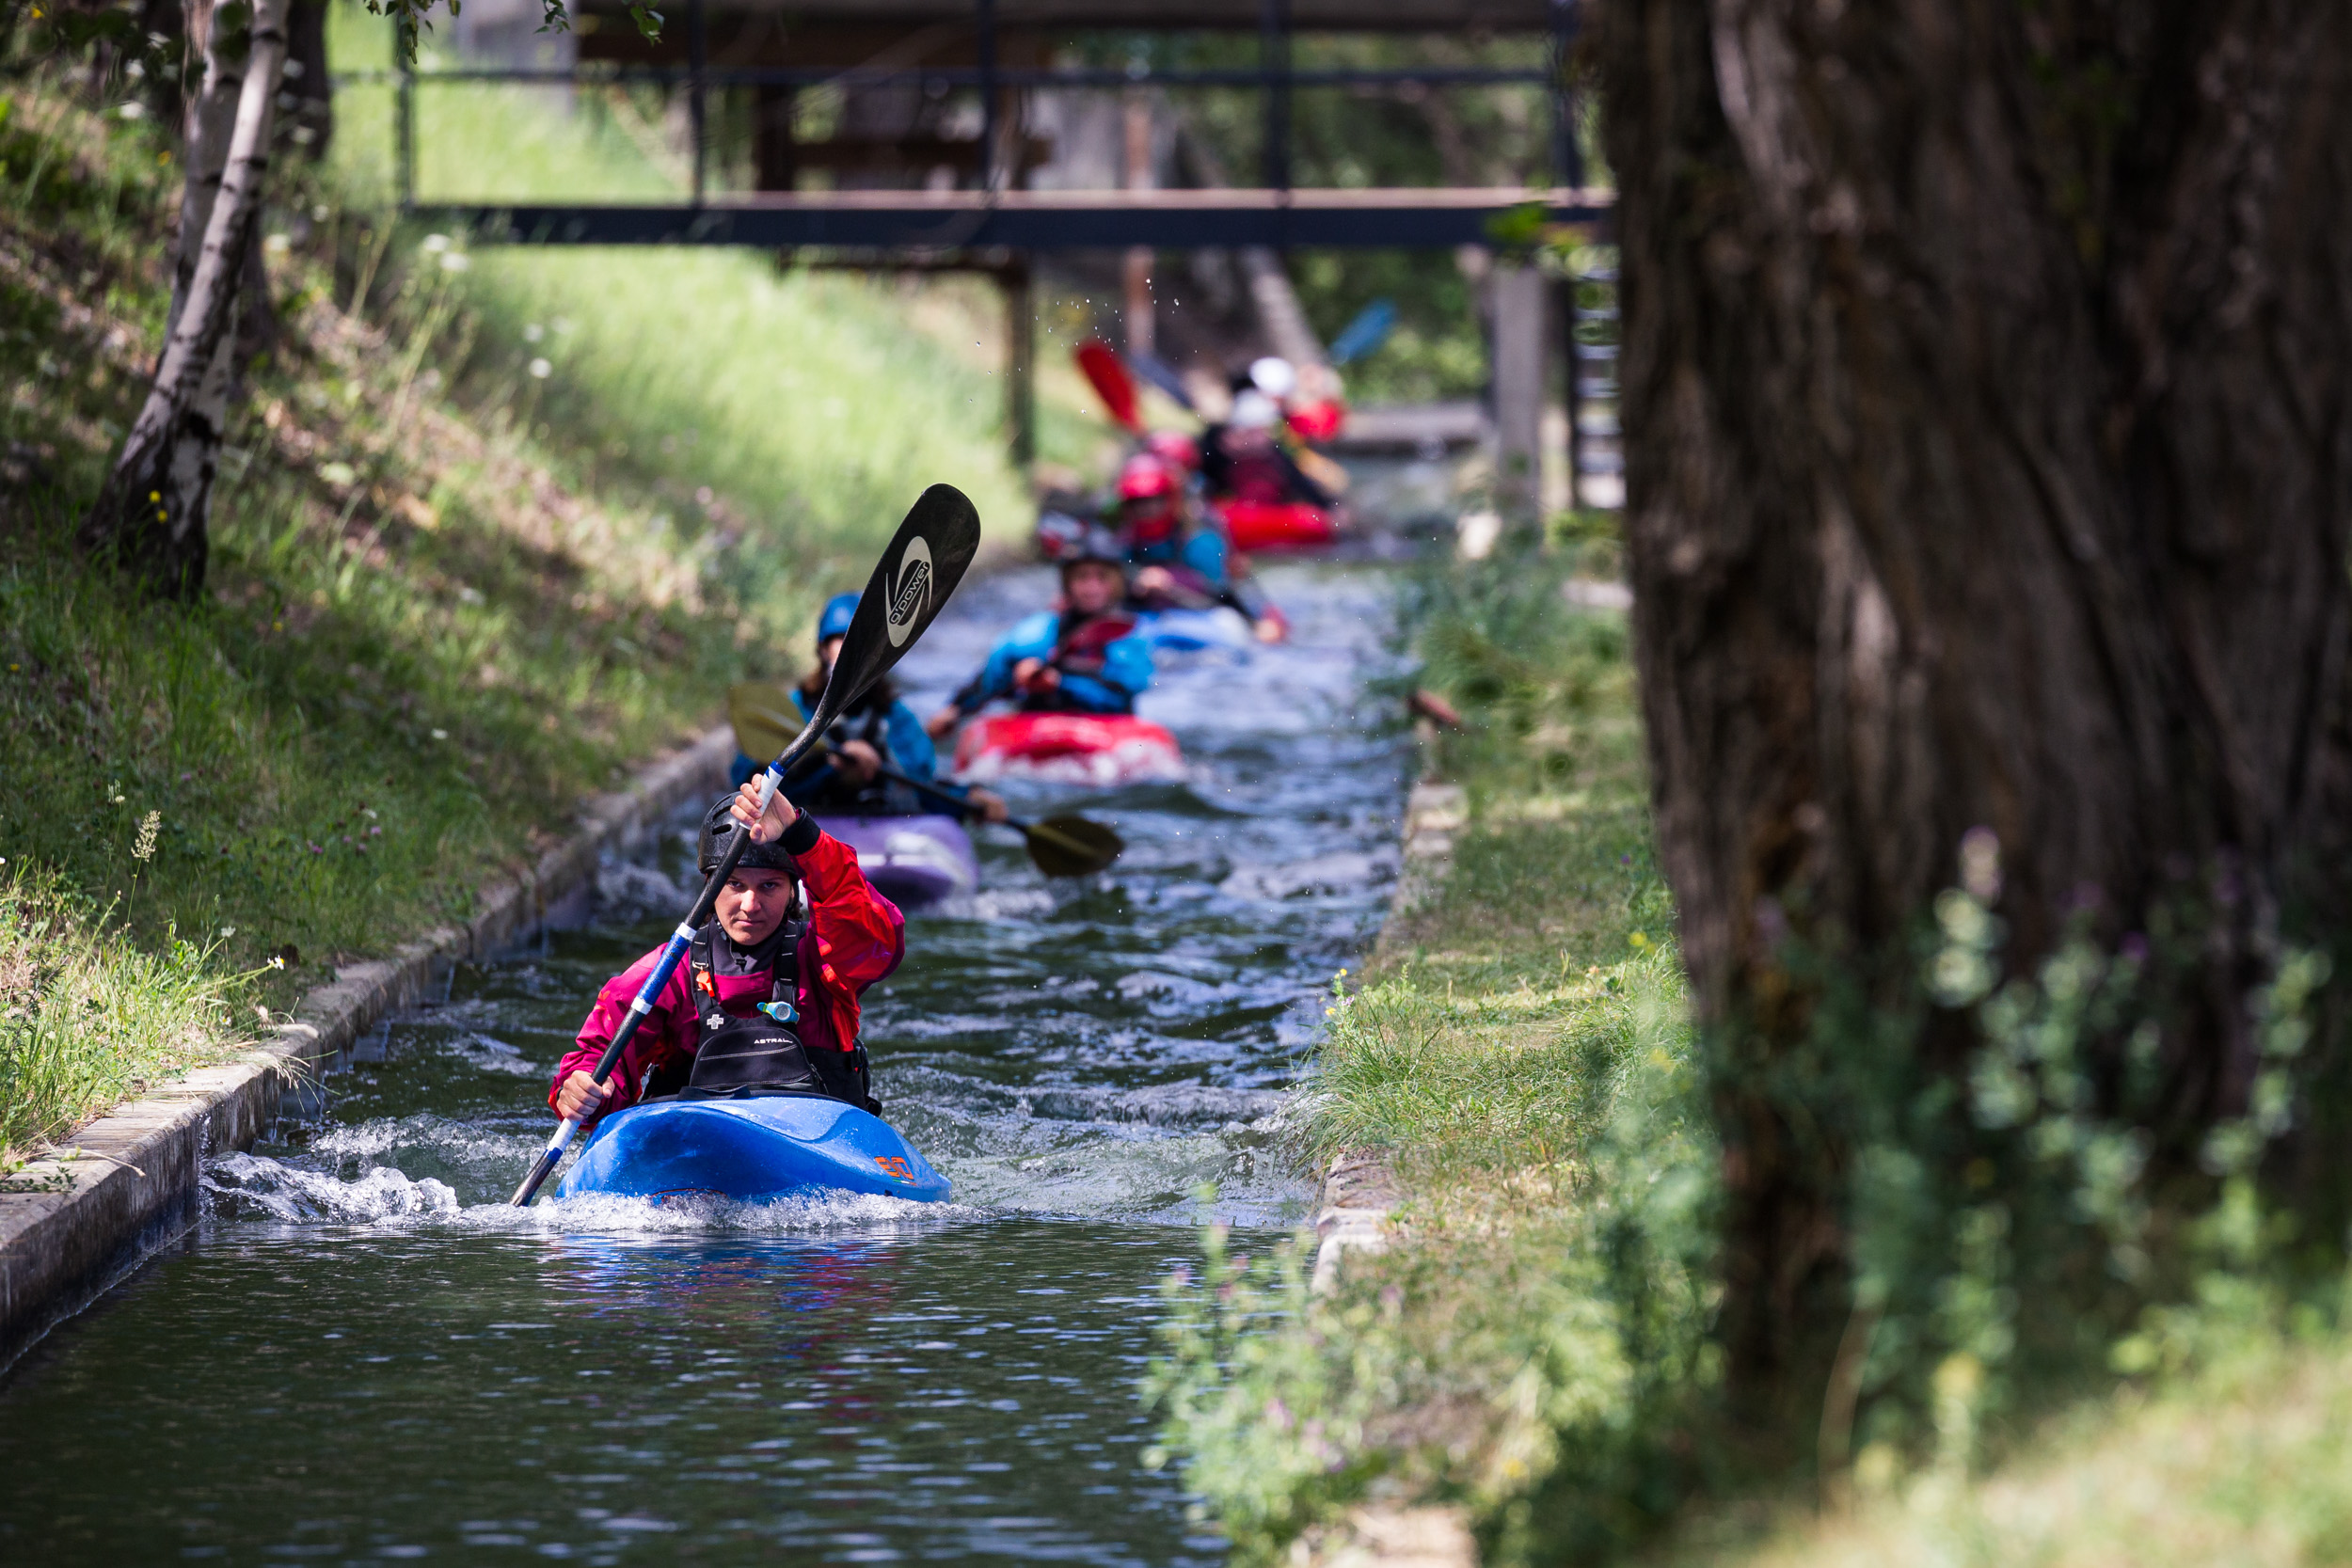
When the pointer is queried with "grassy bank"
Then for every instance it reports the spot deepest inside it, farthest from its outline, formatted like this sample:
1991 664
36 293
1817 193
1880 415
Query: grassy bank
490 530
1517 1055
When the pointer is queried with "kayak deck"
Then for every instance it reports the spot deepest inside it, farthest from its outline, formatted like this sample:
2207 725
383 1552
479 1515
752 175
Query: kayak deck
751 1151
1100 749
914 862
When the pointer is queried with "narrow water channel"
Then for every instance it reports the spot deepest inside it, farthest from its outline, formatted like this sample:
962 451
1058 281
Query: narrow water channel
361 1357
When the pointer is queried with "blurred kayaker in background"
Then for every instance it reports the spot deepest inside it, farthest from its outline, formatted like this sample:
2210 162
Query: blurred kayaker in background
1241 458
1182 561
1083 657
768 999
882 731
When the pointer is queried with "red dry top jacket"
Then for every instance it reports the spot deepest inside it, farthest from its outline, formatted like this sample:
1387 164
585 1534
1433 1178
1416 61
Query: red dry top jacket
855 938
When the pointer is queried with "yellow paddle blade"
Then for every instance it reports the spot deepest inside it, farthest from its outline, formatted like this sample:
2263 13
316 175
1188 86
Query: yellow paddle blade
1321 470
764 717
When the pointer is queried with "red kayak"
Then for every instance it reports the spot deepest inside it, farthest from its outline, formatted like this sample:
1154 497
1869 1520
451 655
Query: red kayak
1276 526
1067 748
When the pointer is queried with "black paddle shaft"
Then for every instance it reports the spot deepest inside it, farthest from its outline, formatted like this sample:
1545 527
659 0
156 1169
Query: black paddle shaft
1069 834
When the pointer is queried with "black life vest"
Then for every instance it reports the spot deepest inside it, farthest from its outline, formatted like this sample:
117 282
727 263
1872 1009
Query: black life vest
869 723
763 1054
1083 648
1080 648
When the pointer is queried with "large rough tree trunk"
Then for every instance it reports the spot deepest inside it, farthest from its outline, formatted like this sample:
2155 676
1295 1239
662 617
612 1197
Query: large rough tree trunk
1988 464
151 516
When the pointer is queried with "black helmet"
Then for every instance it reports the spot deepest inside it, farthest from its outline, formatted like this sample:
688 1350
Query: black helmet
1096 545
718 823
1059 532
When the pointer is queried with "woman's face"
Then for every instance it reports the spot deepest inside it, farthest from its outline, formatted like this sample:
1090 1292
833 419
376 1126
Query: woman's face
1093 586
1148 517
827 651
753 904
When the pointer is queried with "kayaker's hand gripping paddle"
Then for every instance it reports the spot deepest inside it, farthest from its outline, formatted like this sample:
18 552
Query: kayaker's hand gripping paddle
909 588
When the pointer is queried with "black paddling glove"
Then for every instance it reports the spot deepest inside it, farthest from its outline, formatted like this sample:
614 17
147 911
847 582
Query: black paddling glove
799 838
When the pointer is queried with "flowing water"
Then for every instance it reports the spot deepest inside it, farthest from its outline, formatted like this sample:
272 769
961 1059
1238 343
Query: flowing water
361 1356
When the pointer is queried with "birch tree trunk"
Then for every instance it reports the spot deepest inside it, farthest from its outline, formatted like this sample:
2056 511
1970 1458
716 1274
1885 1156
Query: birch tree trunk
212 121
1989 465
151 516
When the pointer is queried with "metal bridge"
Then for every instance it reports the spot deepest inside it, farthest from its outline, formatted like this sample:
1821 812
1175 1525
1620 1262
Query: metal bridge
898 182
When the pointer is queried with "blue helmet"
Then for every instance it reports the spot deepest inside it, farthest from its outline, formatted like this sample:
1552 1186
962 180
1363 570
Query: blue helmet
839 610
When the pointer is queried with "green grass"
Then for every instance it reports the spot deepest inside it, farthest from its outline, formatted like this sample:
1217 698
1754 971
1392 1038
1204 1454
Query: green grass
2241 1457
1518 1057
1536 1351
88 1017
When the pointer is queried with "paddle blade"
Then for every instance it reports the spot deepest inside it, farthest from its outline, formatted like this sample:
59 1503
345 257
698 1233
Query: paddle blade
925 560
1111 381
1366 333
1161 375
764 717
1071 846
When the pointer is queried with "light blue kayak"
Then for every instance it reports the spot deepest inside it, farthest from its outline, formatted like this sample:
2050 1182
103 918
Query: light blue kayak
1194 631
751 1150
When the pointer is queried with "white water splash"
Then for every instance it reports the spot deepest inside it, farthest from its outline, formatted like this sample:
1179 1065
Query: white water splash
625 888
443 1139
256 1185
808 1214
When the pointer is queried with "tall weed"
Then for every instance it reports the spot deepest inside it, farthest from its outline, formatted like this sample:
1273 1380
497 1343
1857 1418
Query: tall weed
89 1017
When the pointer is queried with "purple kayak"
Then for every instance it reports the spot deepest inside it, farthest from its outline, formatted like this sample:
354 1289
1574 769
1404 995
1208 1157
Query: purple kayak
915 862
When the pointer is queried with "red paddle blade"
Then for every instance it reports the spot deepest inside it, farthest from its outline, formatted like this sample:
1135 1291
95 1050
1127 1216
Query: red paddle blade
1110 380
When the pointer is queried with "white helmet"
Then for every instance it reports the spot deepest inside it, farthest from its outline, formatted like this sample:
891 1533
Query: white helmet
1274 376
1254 410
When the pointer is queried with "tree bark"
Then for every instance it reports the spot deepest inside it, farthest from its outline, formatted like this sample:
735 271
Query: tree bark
1988 464
151 516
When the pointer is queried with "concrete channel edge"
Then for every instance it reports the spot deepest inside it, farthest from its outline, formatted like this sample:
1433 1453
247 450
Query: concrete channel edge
1352 1204
127 1185
1357 1194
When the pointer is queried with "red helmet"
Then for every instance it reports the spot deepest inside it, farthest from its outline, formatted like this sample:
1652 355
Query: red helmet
1145 476
1174 448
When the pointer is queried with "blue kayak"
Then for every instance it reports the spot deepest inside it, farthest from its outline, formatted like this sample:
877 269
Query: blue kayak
753 1150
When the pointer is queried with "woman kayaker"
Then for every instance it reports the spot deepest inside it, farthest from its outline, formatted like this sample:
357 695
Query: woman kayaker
769 995
881 731
1084 658
1181 562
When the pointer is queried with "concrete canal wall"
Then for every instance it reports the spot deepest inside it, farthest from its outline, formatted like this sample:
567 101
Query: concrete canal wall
1357 1193
1352 1208
127 1184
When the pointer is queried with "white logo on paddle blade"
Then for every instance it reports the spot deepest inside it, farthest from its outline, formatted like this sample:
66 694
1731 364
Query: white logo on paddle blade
912 593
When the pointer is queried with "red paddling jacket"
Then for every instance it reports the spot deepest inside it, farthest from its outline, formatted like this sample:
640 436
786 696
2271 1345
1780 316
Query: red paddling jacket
853 937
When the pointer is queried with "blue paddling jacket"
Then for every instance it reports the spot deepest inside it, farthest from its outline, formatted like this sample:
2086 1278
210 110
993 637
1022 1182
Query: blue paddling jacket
1202 551
891 728
1104 665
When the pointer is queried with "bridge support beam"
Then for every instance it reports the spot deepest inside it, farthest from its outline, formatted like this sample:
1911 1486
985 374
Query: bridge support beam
1019 290
1517 388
